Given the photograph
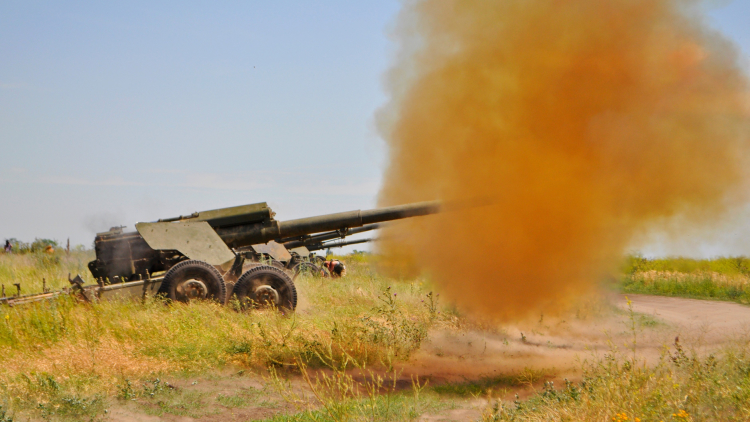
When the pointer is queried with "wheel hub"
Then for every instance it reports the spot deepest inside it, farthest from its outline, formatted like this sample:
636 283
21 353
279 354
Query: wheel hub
266 295
192 289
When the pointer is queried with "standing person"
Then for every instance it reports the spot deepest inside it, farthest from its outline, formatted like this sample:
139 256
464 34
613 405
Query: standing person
8 246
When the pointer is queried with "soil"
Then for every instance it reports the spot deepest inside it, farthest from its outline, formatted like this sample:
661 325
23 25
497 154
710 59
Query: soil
700 323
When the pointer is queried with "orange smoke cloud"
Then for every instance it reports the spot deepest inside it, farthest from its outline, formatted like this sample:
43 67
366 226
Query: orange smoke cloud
583 120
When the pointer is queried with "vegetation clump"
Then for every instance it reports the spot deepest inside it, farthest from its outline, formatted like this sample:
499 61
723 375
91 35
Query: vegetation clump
719 278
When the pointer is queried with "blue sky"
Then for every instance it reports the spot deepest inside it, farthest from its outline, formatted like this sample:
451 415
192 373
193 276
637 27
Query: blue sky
116 113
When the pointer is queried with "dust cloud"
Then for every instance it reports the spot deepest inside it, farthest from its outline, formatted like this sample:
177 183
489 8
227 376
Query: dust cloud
585 122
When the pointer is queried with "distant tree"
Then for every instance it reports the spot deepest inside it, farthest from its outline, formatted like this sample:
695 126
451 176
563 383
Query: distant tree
39 244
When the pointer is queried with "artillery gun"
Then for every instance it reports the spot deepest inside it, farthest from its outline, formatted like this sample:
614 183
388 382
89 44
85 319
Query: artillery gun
201 252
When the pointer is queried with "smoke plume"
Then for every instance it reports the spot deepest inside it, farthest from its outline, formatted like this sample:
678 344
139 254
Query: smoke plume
584 122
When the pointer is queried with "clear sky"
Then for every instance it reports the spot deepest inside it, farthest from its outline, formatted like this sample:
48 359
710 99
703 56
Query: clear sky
116 113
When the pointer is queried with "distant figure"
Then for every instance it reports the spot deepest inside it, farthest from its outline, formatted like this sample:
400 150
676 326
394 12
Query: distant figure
8 247
49 249
336 268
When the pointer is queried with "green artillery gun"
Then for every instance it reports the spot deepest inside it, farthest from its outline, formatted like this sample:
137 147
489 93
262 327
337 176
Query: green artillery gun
200 253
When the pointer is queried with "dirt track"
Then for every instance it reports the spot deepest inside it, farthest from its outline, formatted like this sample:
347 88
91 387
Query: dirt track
560 344
702 322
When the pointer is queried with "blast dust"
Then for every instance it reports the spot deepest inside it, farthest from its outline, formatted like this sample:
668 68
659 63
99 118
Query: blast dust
585 122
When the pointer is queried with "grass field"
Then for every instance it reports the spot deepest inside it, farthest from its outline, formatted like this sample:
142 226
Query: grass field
335 359
64 358
720 278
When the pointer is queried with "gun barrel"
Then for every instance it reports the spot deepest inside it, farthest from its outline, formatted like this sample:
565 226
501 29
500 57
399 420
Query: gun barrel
354 218
296 242
336 244
253 234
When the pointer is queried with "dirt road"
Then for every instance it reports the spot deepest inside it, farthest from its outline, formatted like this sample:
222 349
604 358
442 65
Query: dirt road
704 323
559 344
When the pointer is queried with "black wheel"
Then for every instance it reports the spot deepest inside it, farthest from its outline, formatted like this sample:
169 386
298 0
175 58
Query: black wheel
263 286
192 280
308 268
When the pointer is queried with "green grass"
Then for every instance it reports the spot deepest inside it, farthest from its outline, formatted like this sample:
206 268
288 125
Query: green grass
696 286
488 385
388 407
30 269
719 279
738 265
243 398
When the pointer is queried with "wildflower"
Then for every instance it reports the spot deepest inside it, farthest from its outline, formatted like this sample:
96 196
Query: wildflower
681 414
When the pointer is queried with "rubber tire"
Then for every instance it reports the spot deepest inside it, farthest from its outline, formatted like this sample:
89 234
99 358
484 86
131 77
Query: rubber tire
201 270
273 277
314 270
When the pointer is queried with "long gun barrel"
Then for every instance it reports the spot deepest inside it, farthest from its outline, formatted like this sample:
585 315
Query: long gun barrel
306 240
336 244
244 235
160 245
